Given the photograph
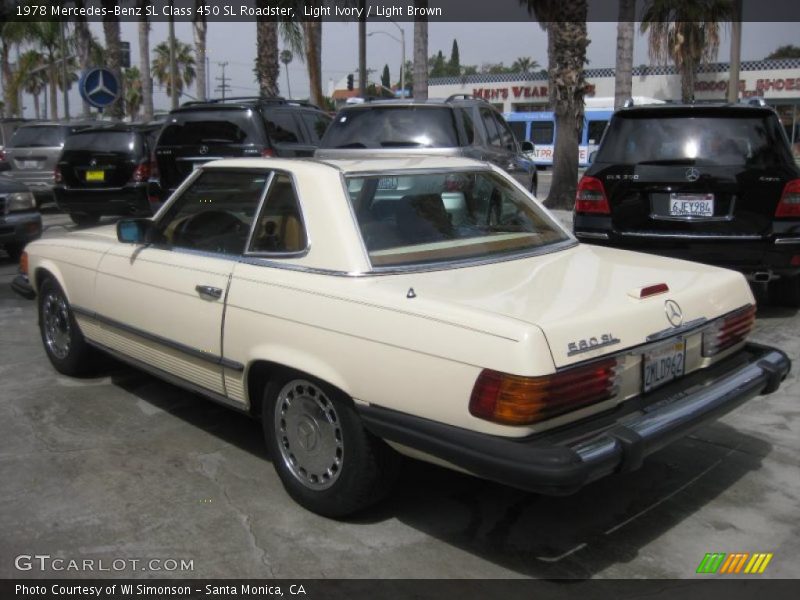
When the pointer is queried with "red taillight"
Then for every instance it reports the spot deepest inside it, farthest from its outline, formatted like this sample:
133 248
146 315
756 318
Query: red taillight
591 196
514 400
3 155
57 178
153 168
141 173
267 153
728 331
789 206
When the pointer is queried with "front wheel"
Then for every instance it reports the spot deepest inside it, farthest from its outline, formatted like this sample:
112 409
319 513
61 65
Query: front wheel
325 459
63 341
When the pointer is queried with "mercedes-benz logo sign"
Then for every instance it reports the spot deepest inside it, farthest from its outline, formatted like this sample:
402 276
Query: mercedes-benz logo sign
692 174
674 313
93 162
203 149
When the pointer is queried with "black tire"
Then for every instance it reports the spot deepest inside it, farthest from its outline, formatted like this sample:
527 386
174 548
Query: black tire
84 220
346 468
63 341
785 291
14 251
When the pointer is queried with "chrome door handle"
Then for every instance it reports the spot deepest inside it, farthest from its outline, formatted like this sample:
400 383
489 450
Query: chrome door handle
206 291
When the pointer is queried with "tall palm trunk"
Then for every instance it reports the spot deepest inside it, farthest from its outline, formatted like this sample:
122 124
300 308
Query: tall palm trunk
36 106
51 76
267 66
421 54
114 52
9 95
82 42
623 78
200 28
313 40
144 65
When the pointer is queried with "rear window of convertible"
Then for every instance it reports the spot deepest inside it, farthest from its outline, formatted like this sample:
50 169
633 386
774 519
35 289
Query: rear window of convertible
418 219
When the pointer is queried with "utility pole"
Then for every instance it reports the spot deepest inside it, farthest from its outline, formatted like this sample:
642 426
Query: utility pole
223 86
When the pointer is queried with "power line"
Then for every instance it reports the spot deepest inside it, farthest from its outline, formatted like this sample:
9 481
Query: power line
223 86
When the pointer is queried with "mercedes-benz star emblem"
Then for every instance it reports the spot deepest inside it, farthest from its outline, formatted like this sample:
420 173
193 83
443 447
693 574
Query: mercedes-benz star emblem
674 313
93 162
692 174
203 149
100 88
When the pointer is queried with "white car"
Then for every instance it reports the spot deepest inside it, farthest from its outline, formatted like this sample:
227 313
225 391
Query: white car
420 306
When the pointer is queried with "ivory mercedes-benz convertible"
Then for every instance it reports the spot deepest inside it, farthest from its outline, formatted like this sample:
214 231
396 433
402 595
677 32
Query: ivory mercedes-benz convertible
420 306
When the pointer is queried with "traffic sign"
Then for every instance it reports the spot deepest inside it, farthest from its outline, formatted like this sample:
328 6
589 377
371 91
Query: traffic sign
99 87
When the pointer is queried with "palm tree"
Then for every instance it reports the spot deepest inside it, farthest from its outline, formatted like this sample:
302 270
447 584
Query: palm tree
133 92
685 32
267 67
200 28
420 54
12 34
114 53
30 76
524 64
83 46
623 73
184 62
312 34
46 34
567 42
286 58
144 63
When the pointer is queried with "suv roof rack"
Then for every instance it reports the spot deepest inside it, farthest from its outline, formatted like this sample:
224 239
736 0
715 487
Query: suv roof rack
262 99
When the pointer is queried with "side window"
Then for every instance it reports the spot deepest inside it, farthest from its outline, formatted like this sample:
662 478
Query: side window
280 225
542 132
215 212
316 125
282 128
518 129
595 131
492 133
469 126
506 137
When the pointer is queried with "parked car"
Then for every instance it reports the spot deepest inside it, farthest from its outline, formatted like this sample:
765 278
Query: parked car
713 183
8 126
198 132
104 170
32 153
20 222
457 126
427 306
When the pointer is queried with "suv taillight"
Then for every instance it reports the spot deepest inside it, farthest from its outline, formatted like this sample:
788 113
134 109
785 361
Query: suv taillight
141 173
514 400
591 196
728 331
789 206
268 153
153 167
57 178
3 155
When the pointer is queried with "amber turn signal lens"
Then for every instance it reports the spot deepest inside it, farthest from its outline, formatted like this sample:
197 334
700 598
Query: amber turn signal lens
514 400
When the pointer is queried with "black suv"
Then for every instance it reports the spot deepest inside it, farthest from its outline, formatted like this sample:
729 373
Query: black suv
712 183
198 132
105 170
457 126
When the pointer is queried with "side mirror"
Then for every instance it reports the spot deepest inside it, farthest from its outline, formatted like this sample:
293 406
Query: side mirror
134 231
592 156
527 146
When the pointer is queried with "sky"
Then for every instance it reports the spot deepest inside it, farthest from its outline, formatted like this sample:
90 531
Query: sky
478 43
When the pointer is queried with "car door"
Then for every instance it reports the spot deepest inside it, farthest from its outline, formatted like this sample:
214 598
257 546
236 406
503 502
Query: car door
162 303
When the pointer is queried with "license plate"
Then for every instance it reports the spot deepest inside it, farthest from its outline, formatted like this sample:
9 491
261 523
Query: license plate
663 364
95 175
691 205
28 164
387 183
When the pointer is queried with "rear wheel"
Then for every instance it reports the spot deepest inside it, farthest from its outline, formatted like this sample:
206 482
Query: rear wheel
84 220
63 341
785 291
325 459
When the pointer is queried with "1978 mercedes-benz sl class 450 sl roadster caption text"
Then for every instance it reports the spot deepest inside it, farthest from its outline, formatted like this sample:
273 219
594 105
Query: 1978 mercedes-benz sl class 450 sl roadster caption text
420 306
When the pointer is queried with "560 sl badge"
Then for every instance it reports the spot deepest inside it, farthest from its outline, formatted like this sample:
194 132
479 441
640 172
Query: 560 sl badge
592 343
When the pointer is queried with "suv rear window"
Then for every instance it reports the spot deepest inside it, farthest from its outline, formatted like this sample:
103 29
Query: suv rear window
747 140
124 142
210 127
38 137
393 127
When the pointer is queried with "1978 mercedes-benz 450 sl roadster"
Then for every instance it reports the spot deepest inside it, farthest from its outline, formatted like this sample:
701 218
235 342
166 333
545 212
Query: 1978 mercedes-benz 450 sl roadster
420 306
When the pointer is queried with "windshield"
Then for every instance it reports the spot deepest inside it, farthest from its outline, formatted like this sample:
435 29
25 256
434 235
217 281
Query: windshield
38 137
194 128
393 127
105 141
733 141
446 216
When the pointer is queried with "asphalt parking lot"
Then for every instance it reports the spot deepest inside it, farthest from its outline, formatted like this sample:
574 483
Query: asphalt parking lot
124 466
